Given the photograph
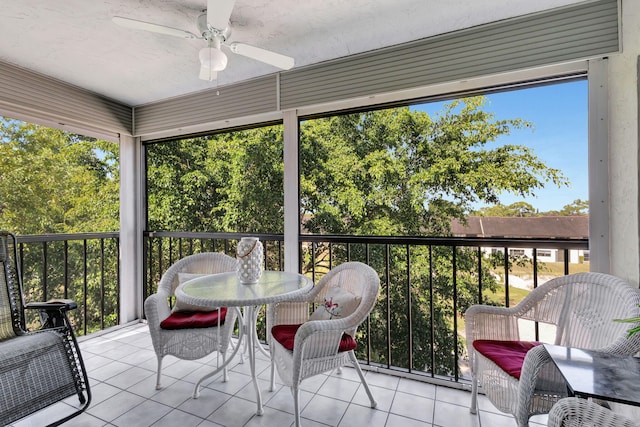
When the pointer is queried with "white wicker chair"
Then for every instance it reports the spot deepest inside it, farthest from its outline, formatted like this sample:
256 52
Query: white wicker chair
581 306
191 343
575 412
316 343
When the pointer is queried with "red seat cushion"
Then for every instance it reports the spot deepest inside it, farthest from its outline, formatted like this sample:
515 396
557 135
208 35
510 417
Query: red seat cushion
193 319
508 355
285 335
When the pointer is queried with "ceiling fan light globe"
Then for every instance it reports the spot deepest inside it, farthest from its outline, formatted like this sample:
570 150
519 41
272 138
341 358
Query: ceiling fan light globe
207 74
213 58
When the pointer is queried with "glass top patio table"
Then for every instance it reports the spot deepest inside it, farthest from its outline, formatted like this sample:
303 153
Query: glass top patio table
599 375
226 290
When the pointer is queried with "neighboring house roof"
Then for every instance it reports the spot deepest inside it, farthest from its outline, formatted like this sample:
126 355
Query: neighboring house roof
567 227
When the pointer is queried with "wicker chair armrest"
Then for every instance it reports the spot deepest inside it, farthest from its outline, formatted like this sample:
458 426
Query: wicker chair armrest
572 411
538 372
626 346
318 338
345 324
156 309
311 327
489 322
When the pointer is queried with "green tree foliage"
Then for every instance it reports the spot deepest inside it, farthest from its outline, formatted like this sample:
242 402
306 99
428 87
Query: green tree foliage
401 172
522 209
519 209
57 182
229 182
577 207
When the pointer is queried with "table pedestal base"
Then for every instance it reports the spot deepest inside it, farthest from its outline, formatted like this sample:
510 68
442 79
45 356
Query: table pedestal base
248 328
225 363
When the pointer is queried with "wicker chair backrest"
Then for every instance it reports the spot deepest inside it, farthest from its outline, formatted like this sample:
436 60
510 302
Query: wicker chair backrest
356 278
202 263
583 308
349 280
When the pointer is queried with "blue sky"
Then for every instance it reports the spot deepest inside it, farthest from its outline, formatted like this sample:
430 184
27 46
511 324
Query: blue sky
559 136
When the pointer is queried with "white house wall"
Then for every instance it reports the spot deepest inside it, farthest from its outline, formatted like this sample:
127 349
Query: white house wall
576 256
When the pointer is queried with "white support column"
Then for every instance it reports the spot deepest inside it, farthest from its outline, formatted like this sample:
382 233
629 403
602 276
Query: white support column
291 191
599 235
624 172
130 230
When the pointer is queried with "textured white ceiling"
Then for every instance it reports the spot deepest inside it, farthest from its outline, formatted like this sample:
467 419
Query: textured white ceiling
76 41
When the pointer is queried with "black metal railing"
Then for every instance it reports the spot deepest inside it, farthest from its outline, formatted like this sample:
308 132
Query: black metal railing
417 328
163 248
83 267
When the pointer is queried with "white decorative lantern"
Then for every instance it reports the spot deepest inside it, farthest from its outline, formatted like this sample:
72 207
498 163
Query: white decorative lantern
249 254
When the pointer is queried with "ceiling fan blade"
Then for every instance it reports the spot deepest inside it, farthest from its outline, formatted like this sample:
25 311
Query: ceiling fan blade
207 73
154 28
219 12
263 55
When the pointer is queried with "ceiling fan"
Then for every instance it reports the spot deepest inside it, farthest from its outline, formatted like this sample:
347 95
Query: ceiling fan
214 28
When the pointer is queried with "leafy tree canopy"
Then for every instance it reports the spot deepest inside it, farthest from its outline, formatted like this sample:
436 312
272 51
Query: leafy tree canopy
228 182
402 172
520 209
577 207
56 182
385 172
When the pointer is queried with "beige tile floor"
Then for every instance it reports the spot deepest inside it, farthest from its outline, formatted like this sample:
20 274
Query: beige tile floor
121 365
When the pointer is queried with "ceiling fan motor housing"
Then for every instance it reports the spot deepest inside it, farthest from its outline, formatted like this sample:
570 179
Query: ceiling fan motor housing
209 32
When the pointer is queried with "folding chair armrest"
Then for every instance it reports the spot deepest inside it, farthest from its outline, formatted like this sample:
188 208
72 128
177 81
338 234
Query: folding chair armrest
53 313
54 304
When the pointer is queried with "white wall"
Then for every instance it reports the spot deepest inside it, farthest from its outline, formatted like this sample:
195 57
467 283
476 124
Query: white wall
623 146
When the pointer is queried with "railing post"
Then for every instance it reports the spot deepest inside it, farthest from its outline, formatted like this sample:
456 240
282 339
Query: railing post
506 276
409 316
479 275
84 284
388 280
101 283
45 274
454 265
432 341
65 257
